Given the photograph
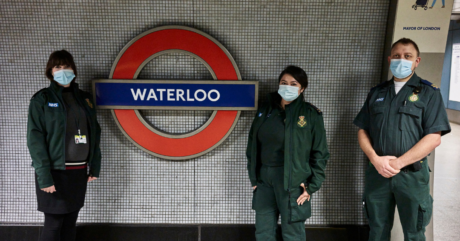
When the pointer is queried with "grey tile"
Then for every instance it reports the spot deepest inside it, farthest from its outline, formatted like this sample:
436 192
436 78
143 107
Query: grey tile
323 37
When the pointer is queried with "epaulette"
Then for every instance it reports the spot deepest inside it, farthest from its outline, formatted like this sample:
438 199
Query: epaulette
429 84
38 92
316 108
383 84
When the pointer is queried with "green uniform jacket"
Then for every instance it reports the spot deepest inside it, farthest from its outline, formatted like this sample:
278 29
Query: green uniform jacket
46 127
305 151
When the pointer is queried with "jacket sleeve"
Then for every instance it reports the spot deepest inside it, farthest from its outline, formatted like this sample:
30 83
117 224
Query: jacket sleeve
252 178
95 167
435 117
362 119
319 155
249 148
36 142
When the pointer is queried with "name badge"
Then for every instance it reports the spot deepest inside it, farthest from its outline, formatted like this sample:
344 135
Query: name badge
379 99
53 104
80 139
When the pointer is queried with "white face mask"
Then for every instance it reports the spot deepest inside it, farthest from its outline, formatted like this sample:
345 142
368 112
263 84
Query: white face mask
288 93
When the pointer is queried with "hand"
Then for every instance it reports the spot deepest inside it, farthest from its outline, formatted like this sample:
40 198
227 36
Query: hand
304 196
90 178
382 164
395 163
254 187
49 189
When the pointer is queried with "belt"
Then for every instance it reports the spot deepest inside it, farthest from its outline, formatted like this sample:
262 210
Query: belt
415 167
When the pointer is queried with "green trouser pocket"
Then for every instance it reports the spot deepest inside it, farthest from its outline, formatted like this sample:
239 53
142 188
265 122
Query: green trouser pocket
425 211
298 213
254 199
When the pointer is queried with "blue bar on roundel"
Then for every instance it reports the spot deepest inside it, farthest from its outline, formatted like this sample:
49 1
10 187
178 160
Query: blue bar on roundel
222 95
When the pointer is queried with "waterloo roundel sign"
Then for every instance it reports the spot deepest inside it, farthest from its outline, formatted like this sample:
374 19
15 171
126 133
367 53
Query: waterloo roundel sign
124 94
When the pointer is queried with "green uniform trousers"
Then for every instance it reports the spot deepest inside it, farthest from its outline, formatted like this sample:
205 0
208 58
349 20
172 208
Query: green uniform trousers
269 201
410 191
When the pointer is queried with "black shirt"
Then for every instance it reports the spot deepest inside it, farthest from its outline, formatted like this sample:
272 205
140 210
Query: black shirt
271 138
75 154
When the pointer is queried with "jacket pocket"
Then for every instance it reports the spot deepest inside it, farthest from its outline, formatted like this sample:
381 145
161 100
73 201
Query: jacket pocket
377 116
377 109
410 117
425 211
298 213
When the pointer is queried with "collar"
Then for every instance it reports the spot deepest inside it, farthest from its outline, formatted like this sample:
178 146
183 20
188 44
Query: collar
55 87
413 81
275 100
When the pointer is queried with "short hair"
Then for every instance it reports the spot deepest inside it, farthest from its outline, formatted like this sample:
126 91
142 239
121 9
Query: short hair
60 57
297 73
406 41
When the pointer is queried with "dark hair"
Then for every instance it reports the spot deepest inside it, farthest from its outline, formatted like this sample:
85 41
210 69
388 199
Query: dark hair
61 57
406 41
297 73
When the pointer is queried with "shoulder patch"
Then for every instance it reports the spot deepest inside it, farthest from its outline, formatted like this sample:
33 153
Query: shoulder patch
85 93
383 84
38 92
316 108
426 82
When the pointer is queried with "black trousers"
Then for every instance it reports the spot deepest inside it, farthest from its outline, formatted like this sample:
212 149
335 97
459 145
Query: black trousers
59 227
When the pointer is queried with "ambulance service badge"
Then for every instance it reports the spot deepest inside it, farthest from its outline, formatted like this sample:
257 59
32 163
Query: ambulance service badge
302 122
89 103
413 98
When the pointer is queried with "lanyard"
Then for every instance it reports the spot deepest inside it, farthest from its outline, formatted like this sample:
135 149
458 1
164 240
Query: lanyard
77 119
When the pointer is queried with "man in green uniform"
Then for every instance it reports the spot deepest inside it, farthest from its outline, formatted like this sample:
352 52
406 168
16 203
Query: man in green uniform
401 122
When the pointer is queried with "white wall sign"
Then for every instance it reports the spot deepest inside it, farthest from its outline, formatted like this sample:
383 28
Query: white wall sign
426 22
454 89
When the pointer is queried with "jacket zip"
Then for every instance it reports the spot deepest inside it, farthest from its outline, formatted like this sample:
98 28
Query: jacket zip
290 154
290 159
65 119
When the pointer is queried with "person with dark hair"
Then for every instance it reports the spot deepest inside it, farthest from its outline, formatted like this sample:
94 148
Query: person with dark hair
405 42
287 155
63 139
401 122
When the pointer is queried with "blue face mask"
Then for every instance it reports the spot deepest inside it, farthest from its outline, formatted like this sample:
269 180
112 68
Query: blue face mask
401 68
288 93
64 77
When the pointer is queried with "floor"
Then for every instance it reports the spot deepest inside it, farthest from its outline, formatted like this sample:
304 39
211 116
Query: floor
447 187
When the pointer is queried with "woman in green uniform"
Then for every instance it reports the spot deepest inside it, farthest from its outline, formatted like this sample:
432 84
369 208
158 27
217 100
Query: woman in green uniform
287 155
63 139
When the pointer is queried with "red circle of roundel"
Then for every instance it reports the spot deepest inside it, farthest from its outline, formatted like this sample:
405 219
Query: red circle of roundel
195 43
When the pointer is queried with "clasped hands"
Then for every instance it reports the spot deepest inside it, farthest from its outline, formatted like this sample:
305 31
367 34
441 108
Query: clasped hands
387 166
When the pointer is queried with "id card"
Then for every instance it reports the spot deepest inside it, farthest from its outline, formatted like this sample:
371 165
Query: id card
80 139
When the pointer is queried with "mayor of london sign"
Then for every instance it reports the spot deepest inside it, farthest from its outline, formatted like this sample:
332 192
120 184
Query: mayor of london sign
227 95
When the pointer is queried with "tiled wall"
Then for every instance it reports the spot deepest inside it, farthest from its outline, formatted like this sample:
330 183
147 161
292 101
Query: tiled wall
338 43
